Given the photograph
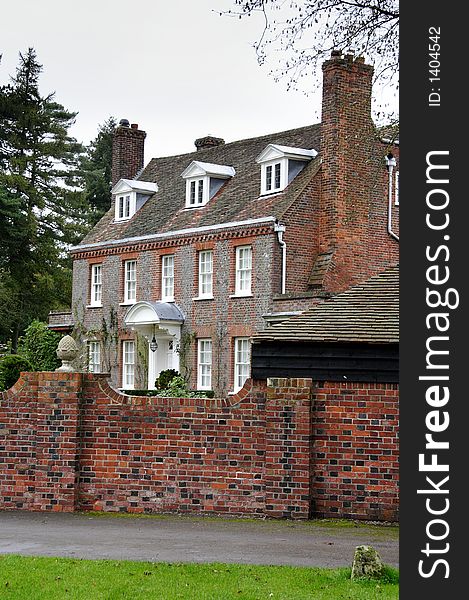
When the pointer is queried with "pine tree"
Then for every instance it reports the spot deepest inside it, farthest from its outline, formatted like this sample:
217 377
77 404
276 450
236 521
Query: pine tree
96 168
39 194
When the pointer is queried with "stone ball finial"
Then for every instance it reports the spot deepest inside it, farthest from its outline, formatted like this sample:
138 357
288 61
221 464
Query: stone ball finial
67 351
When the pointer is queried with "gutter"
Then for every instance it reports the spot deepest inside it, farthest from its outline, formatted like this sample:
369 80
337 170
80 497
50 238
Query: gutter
169 234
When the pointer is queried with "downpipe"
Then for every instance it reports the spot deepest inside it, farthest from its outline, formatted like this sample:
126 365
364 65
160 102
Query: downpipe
390 163
280 230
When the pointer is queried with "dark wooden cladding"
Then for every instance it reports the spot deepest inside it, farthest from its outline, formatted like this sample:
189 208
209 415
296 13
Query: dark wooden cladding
326 362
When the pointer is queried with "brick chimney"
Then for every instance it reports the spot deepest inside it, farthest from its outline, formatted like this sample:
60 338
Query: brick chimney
127 151
209 141
349 171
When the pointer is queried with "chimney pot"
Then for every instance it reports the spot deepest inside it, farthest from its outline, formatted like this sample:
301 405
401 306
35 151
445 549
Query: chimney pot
124 123
134 126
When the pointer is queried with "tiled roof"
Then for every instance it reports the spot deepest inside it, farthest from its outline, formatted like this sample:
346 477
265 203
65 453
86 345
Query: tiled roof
368 313
237 200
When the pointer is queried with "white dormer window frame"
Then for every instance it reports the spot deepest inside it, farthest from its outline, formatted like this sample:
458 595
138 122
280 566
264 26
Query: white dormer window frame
125 206
274 161
274 176
125 194
199 187
197 191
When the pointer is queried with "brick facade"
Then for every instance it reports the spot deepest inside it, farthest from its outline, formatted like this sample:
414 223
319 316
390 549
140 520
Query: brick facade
335 234
290 449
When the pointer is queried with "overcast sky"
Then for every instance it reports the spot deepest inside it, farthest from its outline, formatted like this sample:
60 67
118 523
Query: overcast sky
175 67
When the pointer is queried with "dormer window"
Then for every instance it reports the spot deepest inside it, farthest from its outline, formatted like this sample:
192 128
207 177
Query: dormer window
130 195
203 180
196 192
273 180
280 165
124 209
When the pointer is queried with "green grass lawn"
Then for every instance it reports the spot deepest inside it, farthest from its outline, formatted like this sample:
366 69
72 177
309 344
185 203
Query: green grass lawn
26 578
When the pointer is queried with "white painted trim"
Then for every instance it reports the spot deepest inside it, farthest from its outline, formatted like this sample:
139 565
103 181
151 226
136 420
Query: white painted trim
241 296
205 192
283 176
132 185
177 233
275 151
199 169
237 341
238 271
200 386
132 205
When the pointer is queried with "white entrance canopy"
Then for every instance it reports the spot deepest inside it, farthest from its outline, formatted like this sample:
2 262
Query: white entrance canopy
165 315
158 322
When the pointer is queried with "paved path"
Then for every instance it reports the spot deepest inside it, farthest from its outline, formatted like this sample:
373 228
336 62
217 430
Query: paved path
188 539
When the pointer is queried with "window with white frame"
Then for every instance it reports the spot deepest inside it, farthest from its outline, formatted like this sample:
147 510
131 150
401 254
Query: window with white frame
280 165
125 206
96 285
243 271
167 278
203 181
130 281
204 365
206 274
130 195
242 362
273 177
396 188
128 365
94 357
196 195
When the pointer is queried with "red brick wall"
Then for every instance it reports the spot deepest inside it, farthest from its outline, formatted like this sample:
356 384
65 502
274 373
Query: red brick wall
39 419
355 454
69 442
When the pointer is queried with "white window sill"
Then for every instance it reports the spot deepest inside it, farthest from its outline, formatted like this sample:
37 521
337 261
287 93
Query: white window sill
203 298
128 303
241 296
195 206
94 306
170 300
271 192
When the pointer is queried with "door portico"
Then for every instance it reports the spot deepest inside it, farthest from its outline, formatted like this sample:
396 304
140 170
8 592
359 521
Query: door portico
160 323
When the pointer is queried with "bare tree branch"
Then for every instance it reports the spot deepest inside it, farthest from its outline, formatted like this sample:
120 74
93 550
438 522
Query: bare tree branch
298 35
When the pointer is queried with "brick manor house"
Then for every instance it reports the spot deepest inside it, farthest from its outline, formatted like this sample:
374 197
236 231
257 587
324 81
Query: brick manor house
201 251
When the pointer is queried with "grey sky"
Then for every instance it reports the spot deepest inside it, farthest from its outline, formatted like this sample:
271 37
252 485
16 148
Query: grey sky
175 67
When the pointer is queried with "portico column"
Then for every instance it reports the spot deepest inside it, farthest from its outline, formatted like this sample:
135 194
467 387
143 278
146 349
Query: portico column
151 368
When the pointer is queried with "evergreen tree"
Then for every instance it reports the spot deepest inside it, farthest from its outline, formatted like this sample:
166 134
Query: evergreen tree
39 195
96 168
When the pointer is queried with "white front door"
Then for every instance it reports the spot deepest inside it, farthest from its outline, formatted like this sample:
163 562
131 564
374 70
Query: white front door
165 357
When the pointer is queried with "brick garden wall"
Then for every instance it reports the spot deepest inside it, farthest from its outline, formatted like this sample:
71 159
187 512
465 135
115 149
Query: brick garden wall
355 453
291 449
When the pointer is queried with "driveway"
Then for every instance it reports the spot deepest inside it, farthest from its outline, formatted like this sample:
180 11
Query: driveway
189 539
